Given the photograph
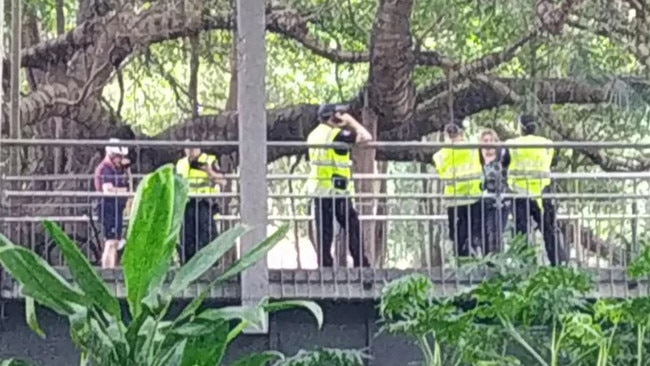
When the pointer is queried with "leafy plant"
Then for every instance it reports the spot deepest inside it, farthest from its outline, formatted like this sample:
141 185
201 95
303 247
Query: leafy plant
195 337
521 314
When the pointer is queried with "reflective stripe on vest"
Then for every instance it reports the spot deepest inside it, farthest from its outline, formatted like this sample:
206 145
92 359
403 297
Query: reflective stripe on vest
325 163
530 168
461 172
198 180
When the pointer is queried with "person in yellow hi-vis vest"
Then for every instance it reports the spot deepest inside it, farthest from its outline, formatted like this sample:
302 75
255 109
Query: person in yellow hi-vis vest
461 172
201 170
330 181
528 171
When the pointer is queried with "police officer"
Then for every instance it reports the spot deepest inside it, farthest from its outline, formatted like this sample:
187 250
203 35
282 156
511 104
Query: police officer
202 173
529 173
330 184
461 171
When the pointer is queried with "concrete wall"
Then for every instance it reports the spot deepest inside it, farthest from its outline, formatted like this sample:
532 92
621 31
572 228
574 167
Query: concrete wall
347 325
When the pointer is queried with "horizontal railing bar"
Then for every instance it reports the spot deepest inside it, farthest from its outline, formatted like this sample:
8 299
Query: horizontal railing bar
304 144
559 196
388 176
435 218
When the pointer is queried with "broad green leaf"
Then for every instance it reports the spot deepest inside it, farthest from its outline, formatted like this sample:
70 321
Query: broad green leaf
310 306
79 329
205 259
30 315
208 349
156 300
181 190
259 359
84 274
257 253
173 356
14 362
254 315
147 238
38 279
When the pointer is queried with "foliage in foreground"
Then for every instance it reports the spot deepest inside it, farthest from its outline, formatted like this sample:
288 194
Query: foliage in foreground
522 314
195 337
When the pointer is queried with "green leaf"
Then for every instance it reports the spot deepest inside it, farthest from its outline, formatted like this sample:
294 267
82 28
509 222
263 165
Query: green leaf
32 320
173 356
208 349
15 362
310 306
254 315
259 359
205 259
148 243
257 253
181 190
84 274
254 255
38 279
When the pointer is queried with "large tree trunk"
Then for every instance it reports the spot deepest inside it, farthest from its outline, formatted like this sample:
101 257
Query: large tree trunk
391 90
364 163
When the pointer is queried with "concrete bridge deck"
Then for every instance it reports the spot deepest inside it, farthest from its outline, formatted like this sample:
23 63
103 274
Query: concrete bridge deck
355 284
348 298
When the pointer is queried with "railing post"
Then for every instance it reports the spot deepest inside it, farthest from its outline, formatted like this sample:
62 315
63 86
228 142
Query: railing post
251 109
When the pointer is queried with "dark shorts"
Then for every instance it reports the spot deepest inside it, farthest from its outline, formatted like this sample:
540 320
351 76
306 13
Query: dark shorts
112 226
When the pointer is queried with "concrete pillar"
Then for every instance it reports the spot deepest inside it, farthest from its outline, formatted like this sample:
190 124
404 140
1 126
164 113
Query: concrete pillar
251 106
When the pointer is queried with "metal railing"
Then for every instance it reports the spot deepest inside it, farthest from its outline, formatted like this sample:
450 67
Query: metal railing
405 226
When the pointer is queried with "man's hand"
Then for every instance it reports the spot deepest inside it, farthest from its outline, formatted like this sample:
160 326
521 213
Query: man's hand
341 120
215 177
350 122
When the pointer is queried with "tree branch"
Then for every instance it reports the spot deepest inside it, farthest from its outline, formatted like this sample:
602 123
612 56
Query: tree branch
294 123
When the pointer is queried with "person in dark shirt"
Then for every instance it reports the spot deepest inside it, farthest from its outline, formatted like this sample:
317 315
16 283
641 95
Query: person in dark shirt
493 211
110 177
330 181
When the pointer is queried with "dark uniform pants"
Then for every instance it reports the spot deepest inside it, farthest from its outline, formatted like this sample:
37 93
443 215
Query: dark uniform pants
326 210
544 217
464 226
199 228
490 225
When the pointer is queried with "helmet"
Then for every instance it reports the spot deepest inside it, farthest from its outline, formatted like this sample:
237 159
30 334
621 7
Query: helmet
116 150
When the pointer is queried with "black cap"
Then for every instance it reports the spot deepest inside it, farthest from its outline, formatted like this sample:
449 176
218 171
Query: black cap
326 111
528 123
453 129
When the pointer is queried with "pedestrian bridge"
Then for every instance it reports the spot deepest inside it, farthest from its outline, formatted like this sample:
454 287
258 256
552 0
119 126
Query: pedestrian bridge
604 218
404 227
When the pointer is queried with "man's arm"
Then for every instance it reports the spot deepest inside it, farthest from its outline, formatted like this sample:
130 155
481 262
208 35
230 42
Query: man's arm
106 179
108 187
362 134
215 173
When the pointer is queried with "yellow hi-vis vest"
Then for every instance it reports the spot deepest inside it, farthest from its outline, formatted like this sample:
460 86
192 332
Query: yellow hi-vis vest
530 168
198 180
326 164
460 171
